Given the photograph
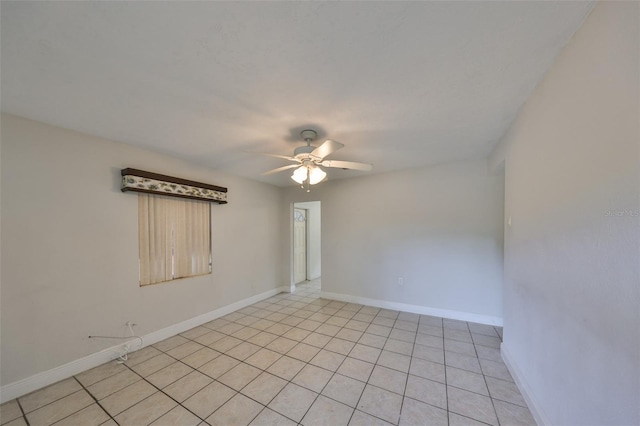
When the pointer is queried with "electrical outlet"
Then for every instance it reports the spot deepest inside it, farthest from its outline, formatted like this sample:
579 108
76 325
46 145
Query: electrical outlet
400 281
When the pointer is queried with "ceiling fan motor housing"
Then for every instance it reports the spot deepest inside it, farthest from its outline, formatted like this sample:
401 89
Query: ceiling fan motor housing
303 151
308 135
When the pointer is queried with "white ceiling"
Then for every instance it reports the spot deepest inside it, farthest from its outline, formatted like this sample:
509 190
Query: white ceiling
401 84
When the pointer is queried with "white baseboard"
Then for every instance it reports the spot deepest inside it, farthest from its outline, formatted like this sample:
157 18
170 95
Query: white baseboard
46 378
416 309
534 407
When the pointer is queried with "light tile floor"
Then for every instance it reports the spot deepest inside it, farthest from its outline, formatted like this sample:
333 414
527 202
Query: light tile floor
295 359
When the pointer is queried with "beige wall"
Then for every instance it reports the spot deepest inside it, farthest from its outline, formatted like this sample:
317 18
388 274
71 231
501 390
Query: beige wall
439 228
70 247
572 272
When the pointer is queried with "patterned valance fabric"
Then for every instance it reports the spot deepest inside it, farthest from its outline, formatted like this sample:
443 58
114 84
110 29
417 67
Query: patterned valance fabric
154 183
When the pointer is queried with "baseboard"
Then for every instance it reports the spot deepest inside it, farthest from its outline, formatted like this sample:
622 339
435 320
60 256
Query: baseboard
46 378
416 309
49 377
534 407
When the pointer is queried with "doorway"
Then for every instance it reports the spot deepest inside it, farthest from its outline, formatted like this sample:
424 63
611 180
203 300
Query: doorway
299 245
306 263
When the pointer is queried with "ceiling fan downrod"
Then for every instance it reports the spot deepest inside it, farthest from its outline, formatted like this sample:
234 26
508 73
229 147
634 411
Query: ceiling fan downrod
308 136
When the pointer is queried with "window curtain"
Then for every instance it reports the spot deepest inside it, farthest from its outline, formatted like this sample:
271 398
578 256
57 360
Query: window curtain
192 234
174 236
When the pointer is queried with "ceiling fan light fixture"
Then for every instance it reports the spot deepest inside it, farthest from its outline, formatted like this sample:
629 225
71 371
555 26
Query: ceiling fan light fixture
309 158
317 175
300 174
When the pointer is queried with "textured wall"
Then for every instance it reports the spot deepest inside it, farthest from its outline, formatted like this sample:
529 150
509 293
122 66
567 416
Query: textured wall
572 281
70 247
439 228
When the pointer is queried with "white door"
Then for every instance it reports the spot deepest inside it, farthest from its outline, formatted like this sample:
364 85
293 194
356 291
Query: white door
299 245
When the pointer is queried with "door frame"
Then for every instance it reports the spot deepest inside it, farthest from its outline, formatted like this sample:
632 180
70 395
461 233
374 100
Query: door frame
306 244
292 207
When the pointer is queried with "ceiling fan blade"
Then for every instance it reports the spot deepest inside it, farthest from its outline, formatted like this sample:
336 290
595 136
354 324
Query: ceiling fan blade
281 156
281 169
328 147
273 155
347 165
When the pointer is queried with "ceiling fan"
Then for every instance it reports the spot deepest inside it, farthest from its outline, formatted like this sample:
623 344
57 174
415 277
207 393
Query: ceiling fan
310 160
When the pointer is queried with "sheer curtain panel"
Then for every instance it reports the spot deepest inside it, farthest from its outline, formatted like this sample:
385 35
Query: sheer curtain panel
174 238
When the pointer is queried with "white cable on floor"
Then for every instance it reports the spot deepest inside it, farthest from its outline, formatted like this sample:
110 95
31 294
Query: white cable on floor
123 357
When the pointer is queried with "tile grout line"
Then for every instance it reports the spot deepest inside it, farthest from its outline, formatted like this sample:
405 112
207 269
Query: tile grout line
367 382
408 369
386 339
383 348
212 378
147 381
443 337
333 373
239 391
484 378
446 382
94 398
291 380
129 367
24 415
160 390
325 314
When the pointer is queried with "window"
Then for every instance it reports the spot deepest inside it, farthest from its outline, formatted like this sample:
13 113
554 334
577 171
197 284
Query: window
174 238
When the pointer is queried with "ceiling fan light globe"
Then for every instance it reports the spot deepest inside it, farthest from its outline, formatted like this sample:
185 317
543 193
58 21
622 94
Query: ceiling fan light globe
300 174
317 175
